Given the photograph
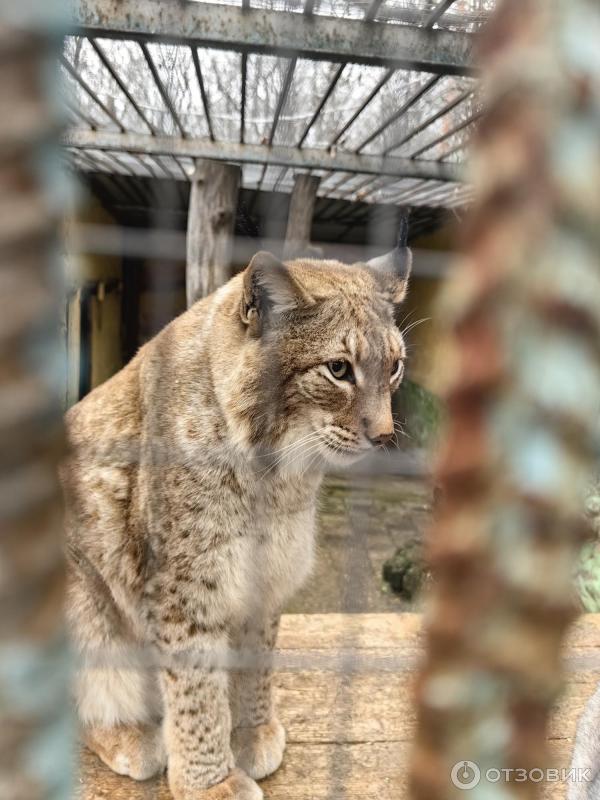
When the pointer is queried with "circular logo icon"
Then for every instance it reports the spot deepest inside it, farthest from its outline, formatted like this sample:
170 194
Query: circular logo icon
465 775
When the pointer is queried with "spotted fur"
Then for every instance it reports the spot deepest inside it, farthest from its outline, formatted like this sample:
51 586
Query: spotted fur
191 495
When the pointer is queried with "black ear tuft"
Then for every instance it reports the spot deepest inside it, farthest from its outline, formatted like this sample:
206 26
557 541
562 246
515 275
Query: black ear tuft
403 228
269 290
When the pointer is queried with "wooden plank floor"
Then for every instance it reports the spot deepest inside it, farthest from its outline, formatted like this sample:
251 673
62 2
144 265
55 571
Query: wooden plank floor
344 694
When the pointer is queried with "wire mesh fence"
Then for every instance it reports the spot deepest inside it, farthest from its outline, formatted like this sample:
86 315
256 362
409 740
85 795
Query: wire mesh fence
195 135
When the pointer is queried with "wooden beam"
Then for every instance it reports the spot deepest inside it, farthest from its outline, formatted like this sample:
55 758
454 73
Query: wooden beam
277 155
211 220
300 217
262 30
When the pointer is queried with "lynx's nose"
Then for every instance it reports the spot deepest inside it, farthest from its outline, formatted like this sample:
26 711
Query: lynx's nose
380 439
379 430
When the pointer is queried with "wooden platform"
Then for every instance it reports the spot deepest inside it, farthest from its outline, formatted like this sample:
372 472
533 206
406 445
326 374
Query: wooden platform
345 699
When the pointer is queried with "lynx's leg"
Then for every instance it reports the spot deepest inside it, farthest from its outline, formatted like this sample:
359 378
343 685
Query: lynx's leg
197 728
258 738
118 702
586 753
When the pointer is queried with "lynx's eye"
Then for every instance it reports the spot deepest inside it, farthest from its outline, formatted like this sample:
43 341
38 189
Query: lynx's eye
341 370
397 368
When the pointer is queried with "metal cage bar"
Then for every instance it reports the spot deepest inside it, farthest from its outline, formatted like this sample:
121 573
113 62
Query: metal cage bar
520 446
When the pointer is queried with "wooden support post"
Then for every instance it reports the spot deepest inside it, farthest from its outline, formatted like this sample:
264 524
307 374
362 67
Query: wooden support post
211 220
302 205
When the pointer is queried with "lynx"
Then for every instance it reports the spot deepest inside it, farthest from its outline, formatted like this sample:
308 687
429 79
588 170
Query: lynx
191 491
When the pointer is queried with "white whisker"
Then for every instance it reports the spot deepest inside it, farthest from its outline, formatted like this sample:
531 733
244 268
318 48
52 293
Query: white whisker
414 325
295 449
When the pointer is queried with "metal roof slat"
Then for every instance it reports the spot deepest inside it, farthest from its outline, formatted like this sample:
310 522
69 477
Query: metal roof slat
375 91
120 83
81 114
148 167
381 184
165 171
89 158
455 149
408 192
442 137
438 12
421 193
127 187
414 98
358 187
373 10
161 89
87 88
337 75
280 178
129 170
203 94
186 177
343 179
283 96
430 120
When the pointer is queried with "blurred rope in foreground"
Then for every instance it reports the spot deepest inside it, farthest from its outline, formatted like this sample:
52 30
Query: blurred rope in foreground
523 317
34 719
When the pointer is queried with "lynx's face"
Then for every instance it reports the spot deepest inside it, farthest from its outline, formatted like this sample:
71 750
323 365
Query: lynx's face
328 354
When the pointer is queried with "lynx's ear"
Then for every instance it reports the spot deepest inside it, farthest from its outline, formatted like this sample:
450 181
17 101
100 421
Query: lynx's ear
269 290
394 268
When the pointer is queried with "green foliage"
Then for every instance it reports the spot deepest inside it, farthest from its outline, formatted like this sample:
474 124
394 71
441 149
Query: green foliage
406 570
587 578
420 413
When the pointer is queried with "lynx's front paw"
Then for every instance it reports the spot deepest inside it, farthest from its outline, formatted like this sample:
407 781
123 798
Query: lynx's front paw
134 750
236 786
259 751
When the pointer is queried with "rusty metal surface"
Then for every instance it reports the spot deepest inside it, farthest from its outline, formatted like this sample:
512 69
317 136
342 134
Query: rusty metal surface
523 389
34 720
